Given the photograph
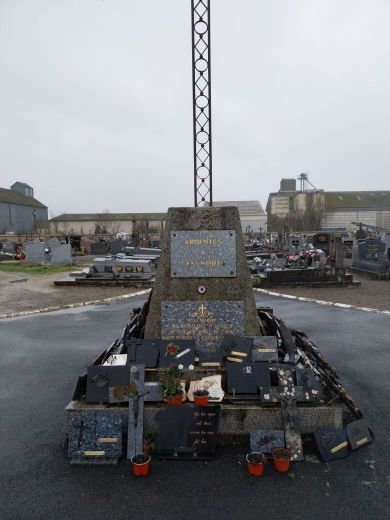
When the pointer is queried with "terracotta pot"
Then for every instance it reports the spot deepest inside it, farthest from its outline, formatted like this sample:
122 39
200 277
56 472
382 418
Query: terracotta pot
282 464
140 470
176 401
255 469
201 400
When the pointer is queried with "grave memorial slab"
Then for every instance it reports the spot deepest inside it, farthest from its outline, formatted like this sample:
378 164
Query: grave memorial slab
61 254
265 348
35 252
187 432
236 348
205 323
264 441
332 443
101 378
193 288
246 378
180 352
144 352
206 254
95 438
358 434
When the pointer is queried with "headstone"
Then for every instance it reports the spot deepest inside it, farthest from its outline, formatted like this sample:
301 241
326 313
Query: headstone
187 432
370 249
360 233
203 289
264 441
7 247
95 438
51 243
62 254
116 246
101 378
332 443
98 248
35 252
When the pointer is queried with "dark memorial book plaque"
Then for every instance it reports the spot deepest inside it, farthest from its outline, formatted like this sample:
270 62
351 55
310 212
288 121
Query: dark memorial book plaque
187 432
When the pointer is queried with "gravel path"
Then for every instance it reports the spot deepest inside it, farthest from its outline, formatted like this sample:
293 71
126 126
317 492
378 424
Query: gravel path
21 293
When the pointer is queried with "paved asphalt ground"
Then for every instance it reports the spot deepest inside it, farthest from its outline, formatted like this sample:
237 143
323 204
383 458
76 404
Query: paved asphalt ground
41 357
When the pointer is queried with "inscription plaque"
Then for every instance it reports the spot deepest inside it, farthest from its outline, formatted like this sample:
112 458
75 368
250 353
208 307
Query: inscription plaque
204 254
206 323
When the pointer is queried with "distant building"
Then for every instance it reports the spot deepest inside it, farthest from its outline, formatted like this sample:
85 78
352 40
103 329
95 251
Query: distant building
315 209
251 213
20 212
107 223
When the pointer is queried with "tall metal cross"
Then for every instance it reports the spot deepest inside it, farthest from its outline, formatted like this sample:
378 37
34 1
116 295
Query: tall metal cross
201 89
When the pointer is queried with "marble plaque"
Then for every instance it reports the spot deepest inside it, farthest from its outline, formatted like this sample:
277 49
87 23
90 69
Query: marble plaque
206 323
203 254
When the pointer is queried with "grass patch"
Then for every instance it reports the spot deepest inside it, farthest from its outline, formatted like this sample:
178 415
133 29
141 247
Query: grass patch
36 269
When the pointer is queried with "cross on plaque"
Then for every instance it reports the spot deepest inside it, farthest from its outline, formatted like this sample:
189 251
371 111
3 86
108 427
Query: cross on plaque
82 427
134 394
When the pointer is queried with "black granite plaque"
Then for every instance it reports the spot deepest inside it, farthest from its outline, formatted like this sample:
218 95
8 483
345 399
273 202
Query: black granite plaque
213 357
206 323
143 352
94 437
358 434
236 348
264 441
265 348
81 388
187 432
203 254
246 378
183 352
332 443
100 378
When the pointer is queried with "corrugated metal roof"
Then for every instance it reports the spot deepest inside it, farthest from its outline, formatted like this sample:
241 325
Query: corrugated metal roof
14 197
245 207
357 199
87 217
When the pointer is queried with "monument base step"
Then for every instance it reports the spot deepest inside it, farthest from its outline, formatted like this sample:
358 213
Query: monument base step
235 419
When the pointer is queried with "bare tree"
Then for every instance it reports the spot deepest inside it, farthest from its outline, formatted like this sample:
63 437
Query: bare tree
106 224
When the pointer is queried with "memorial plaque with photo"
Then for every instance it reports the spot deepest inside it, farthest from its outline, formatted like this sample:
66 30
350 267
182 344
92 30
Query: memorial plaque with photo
246 378
187 432
206 323
209 254
264 441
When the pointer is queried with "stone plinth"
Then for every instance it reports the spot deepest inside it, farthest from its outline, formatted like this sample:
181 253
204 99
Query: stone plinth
204 241
235 419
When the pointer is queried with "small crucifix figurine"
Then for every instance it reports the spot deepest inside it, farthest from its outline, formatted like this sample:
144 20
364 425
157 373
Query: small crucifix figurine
135 396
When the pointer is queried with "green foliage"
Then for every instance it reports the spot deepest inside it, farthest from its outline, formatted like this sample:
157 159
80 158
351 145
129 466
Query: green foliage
35 269
170 385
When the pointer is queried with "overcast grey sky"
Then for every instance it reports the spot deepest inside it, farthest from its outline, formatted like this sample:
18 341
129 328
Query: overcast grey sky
96 99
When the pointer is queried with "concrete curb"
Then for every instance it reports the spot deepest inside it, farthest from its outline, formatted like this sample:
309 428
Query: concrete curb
73 305
321 302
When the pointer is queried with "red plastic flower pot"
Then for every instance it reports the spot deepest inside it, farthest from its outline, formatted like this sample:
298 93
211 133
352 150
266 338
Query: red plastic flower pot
282 459
140 470
255 469
176 401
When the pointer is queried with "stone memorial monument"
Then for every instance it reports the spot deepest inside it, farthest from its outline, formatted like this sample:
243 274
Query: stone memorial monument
203 289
